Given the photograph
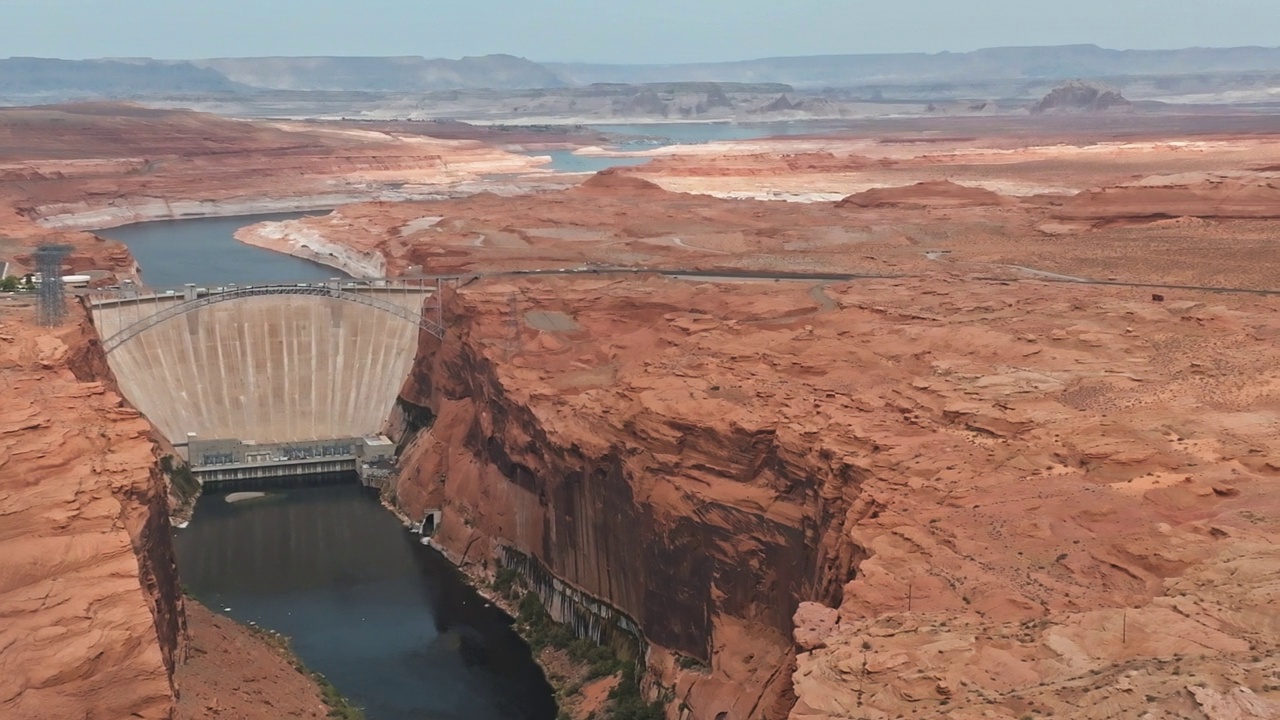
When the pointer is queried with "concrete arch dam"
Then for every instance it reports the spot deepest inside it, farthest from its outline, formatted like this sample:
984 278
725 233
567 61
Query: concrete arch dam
266 380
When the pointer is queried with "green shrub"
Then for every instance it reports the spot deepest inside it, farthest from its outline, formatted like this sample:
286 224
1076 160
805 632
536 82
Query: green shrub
690 663
504 582
629 704
183 480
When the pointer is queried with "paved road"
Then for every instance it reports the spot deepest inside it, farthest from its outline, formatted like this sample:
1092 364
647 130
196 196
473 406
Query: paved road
1041 276
740 275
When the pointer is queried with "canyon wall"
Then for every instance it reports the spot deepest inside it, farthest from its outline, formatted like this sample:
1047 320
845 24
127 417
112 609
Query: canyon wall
958 498
706 531
92 623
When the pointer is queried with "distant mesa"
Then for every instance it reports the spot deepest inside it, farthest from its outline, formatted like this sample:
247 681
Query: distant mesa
1080 96
680 99
384 74
934 193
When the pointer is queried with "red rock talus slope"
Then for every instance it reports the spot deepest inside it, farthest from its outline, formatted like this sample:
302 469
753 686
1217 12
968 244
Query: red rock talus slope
90 615
231 673
1005 499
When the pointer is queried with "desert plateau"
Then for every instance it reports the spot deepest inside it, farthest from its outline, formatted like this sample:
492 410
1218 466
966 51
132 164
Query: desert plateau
718 391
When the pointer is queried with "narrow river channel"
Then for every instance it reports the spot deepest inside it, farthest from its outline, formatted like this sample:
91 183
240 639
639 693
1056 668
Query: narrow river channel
386 619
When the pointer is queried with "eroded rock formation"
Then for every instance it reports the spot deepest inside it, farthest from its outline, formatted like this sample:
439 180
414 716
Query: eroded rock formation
91 621
983 483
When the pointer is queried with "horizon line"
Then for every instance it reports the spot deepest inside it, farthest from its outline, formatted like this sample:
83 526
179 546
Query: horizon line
134 58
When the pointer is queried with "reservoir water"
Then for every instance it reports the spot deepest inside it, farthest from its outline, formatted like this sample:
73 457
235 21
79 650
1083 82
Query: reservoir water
204 251
645 136
696 133
387 620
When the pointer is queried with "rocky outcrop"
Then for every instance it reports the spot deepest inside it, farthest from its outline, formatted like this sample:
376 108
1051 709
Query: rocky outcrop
937 193
91 617
706 530
313 243
86 215
952 497
1079 96
1225 195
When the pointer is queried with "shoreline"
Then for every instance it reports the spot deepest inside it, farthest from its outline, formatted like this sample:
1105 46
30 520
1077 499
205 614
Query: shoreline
155 210
133 210
481 581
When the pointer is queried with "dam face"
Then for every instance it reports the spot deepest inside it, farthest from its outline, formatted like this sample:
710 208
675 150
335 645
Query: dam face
270 369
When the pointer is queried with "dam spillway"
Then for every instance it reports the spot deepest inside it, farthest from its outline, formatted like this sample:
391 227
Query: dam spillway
273 366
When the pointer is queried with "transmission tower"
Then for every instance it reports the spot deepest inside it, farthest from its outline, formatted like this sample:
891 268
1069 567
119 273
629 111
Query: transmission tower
51 303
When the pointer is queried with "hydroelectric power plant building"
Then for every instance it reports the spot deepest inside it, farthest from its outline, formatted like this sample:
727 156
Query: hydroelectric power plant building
217 460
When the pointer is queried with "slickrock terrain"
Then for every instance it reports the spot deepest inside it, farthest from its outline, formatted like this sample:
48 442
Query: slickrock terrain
1202 212
976 480
91 622
1014 499
116 164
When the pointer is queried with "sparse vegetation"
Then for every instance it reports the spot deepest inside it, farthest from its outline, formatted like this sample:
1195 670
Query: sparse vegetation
541 631
504 582
691 663
629 704
184 482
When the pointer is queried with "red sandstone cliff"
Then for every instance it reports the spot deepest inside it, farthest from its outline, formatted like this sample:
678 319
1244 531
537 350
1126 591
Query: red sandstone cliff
976 482
92 622
707 529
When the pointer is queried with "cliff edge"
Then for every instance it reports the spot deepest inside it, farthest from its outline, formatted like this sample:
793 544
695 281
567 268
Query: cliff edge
927 497
91 619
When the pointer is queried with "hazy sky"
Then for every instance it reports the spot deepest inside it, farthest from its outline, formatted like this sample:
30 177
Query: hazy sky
627 31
